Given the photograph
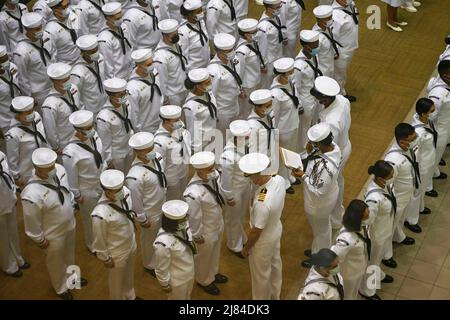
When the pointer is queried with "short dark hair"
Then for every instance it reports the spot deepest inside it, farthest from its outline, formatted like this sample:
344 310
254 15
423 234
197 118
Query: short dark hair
381 169
189 84
443 66
328 140
403 131
423 105
169 225
353 215
447 39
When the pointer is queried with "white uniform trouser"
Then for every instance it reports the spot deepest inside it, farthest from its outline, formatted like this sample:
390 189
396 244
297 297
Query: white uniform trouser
244 105
234 220
224 123
206 260
178 99
175 192
441 144
338 212
123 164
309 106
148 236
426 174
288 141
121 277
267 78
59 255
266 270
182 291
10 255
341 67
325 2
291 49
413 208
351 287
90 199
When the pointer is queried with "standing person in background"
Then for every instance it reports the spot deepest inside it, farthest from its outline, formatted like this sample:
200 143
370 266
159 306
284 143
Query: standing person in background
91 17
11 27
221 17
292 11
393 22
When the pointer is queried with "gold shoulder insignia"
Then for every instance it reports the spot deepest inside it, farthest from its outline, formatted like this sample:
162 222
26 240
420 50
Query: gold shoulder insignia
262 194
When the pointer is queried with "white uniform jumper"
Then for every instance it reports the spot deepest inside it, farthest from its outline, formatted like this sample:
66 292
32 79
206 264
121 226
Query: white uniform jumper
221 17
292 10
62 39
329 48
91 17
195 44
9 88
142 26
317 287
11 26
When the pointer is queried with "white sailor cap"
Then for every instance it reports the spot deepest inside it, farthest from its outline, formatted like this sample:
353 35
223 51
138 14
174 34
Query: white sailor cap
309 35
271 1
203 159
175 209
111 8
198 75
327 86
254 163
59 70
170 112
284 64
319 132
141 140
22 103
81 118
115 85
112 179
44 157
31 20
191 5
224 41
323 11
248 25
168 26
52 3
87 42
3 51
240 128
141 55
260 96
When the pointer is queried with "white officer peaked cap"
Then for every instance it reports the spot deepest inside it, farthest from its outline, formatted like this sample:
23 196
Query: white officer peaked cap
141 140
309 35
224 41
87 42
115 85
327 86
170 112
319 132
261 96
323 11
22 103
81 118
3 51
168 25
44 157
59 70
198 75
284 64
141 55
203 159
271 1
175 209
191 5
111 8
31 20
112 179
240 128
248 25
52 3
254 163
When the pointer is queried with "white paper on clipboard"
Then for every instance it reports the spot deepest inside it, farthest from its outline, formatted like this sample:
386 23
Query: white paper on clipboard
291 159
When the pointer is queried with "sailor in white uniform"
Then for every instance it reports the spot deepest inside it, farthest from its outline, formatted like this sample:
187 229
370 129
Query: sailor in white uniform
11 26
91 17
221 17
292 11
41 8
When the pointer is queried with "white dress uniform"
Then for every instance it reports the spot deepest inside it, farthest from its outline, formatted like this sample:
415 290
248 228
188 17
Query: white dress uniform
11 26
351 247
43 10
84 163
9 88
241 8
346 31
142 26
439 92
194 42
404 184
445 55
46 218
382 205
221 17
10 254
317 287
170 9
205 220
91 17
326 51
174 254
395 3
292 10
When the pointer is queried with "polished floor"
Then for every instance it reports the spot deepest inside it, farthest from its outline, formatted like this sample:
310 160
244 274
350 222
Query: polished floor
388 72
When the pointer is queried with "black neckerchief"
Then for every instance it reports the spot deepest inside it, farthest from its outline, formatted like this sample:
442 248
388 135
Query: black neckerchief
257 52
179 53
201 33
232 71
301 4
278 26
215 192
96 73
158 172
97 156
152 85
34 132
232 10
211 107
153 16
333 41
11 84
18 19
42 51
58 188
352 12
97 7
125 120
5 176
292 95
124 209
72 32
123 40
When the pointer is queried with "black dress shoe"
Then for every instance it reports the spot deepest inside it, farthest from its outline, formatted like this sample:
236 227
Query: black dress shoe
138 298
442 176
83 282
432 194
391 263
25 265
425 211
220 278
413 227
442 162
66 295
307 263
408 241
387 279
16 274
374 297
308 253
290 190
237 254
296 182
210 289
448 144
151 272
350 98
